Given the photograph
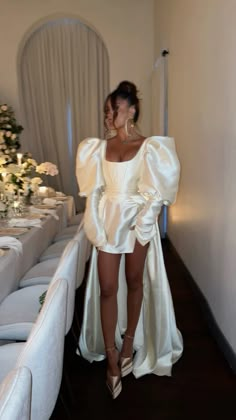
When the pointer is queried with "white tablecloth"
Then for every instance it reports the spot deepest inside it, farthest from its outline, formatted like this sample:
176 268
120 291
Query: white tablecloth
34 242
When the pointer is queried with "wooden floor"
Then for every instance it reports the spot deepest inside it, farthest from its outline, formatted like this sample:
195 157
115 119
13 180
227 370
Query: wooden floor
202 385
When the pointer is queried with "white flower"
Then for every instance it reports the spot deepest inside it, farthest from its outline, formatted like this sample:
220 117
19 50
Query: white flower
3 160
4 108
13 136
32 162
36 180
12 168
8 134
10 187
3 170
47 168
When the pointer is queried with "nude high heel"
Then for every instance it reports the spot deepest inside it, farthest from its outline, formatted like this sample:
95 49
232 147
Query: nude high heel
126 363
113 382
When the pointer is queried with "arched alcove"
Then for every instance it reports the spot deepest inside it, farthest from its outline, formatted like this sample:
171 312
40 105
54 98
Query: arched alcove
63 76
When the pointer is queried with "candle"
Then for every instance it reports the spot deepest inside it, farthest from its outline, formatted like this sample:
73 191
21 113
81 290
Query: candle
43 191
16 207
19 158
16 204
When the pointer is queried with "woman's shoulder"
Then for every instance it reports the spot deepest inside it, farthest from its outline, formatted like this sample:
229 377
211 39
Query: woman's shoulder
89 147
159 141
156 144
91 142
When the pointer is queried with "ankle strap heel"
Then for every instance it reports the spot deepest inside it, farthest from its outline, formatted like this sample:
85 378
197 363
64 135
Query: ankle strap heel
126 363
130 337
114 384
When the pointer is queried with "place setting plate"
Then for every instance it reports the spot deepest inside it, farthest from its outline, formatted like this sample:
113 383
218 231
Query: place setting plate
61 198
13 231
45 206
33 216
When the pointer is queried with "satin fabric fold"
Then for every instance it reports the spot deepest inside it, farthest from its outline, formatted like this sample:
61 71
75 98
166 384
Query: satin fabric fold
158 342
93 225
123 195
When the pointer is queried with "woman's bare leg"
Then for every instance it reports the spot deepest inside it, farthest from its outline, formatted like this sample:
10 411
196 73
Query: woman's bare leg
108 271
134 265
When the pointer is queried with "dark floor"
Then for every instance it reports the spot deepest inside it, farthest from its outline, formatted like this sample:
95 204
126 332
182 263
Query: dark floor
202 385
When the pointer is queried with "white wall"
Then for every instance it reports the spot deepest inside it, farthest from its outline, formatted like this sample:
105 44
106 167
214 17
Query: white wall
125 26
202 107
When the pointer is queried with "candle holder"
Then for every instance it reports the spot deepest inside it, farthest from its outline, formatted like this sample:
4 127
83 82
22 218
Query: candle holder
43 191
16 207
19 158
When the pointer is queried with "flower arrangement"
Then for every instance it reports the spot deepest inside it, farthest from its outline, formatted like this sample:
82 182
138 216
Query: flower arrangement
19 172
9 132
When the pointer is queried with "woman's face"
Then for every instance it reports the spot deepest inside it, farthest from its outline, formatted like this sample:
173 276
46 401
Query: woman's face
124 112
109 115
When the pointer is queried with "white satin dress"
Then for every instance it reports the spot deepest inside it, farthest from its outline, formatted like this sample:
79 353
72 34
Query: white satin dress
121 195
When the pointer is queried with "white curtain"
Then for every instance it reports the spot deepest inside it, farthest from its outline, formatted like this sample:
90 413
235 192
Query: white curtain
63 82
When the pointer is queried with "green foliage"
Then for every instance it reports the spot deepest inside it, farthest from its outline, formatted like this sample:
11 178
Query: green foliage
10 132
42 299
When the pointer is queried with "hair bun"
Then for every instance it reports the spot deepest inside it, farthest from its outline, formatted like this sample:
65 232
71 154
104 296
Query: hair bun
126 90
126 86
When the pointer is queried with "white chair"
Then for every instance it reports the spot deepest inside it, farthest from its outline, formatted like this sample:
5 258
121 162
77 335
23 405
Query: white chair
15 395
54 250
43 272
84 254
40 273
42 353
76 219
19 310
60 241
66 233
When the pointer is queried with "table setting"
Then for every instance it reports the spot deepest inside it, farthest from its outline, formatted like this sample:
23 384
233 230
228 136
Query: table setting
33 241
24 222
31 214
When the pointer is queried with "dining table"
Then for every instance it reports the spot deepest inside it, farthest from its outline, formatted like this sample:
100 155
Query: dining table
34 240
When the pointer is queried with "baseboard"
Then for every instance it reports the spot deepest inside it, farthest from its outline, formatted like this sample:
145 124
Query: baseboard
219 337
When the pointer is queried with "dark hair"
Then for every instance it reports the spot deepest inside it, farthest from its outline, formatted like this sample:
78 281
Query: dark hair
105 103
105 109
128 91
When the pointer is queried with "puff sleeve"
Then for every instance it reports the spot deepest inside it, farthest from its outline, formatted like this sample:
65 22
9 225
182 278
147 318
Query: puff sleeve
91 182
158 184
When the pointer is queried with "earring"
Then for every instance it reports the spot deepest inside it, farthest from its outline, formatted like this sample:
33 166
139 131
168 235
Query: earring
129 126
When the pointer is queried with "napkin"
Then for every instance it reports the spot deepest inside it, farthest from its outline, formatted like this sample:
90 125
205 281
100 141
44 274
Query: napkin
13 243
60 194
53 213
51 201
21 222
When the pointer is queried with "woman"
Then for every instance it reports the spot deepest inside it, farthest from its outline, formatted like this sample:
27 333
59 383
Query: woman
126 181
110 130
